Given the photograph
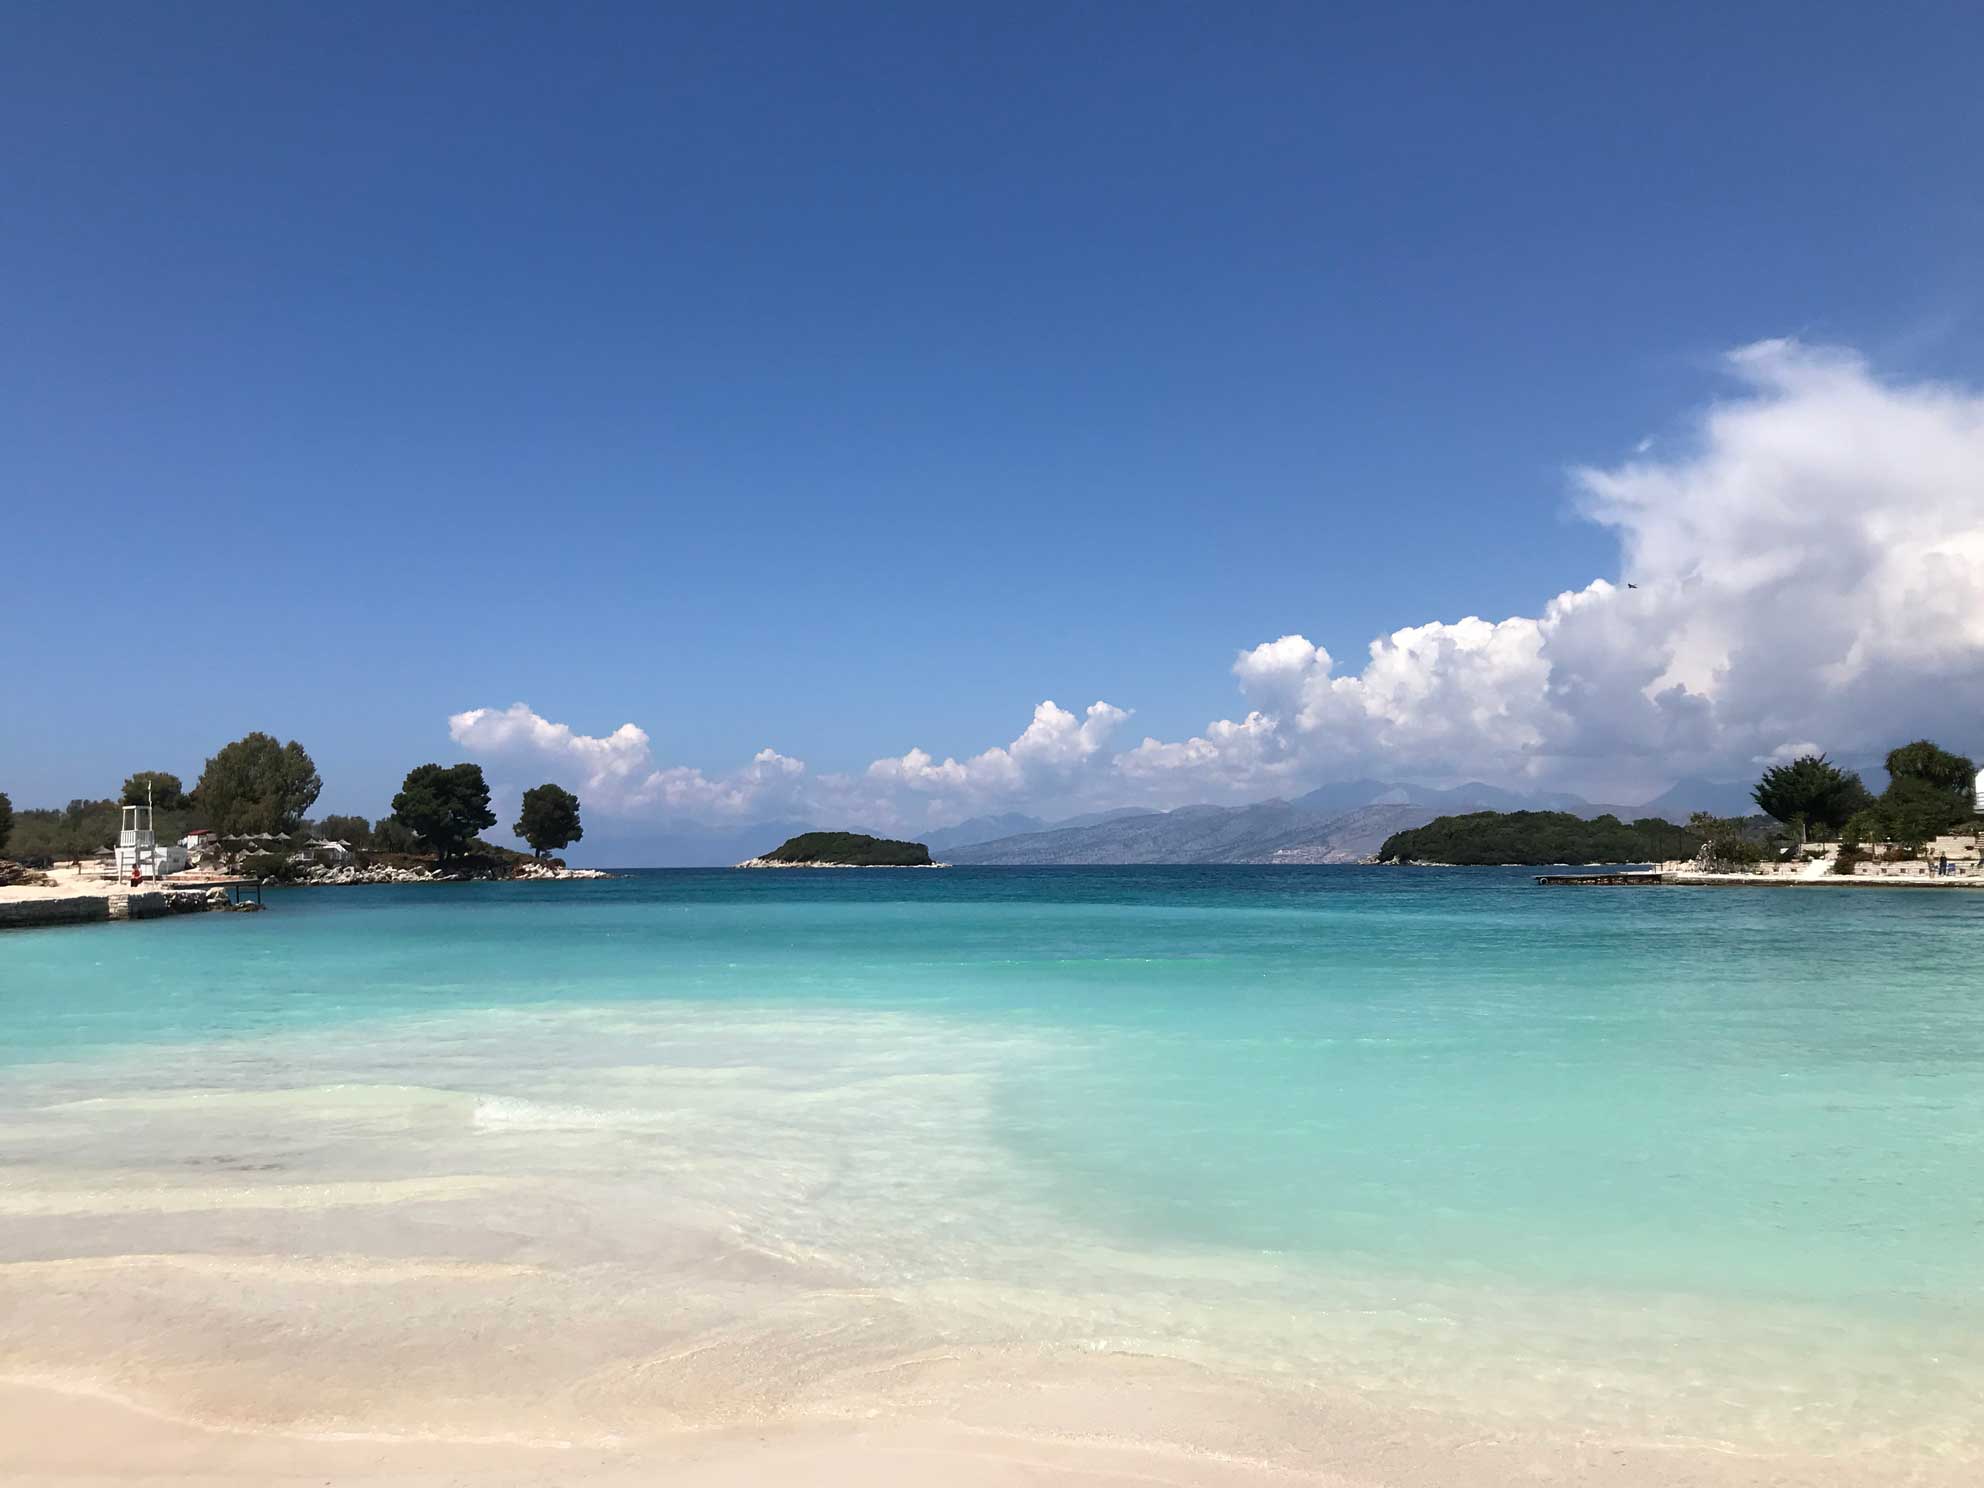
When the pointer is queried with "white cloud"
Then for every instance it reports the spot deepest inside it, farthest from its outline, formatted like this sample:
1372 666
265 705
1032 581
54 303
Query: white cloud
617 772
1046 759
1807 569
1812 569
609 766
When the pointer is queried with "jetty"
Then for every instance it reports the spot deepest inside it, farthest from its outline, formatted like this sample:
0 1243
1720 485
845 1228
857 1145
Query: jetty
70 899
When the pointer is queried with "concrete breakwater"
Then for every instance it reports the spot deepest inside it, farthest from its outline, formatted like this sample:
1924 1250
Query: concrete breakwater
89 908
73 900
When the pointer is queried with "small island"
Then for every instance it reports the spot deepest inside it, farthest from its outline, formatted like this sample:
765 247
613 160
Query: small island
844 850
1484 838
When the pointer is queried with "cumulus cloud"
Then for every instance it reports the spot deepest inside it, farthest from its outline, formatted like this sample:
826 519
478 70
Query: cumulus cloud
1811 569
617 772
1055 749
611 766
1804 568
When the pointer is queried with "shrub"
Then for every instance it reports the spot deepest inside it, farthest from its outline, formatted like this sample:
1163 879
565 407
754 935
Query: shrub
1727 843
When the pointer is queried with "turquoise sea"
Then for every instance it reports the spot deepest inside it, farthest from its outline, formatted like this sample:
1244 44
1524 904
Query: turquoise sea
1689 1167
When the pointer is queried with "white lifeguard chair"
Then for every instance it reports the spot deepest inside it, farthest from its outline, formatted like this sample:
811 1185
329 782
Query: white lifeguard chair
137 843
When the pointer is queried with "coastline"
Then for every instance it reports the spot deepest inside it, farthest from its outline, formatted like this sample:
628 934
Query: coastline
781 863
1661 878
324 877
1104 1423
69 897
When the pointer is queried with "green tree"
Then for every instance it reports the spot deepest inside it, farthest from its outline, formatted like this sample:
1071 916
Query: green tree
355 831
1922 760
6 820
1539 837
76 830
550 819
167 793
1811 793
1864 826
257 785
444 806
391 835
1728 840
1929 791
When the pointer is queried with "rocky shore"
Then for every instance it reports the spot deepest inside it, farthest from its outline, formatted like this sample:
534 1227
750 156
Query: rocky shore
322 874
30 898
781 863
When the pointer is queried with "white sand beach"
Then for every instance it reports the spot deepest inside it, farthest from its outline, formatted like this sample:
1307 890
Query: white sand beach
1107 1425
737 1267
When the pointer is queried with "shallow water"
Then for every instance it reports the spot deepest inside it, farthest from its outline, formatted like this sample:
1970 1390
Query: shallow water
581 1161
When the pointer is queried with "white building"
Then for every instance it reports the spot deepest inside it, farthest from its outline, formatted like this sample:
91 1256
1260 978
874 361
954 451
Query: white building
325 852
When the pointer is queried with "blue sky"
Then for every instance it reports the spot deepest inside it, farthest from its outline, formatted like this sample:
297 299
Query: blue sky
843 379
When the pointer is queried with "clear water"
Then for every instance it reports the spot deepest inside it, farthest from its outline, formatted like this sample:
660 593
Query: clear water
1697 1165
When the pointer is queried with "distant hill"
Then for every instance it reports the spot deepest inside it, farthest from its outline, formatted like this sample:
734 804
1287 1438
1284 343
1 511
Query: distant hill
1013 824
844 850
1266 832
1353 837
1537 838
611 844
1345 821
983 829
1322 825
1717 797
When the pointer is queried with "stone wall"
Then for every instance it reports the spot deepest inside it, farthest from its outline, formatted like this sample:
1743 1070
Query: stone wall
81 909
90 909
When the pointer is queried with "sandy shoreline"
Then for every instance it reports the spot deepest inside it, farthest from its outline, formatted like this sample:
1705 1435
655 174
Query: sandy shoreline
70 883
1061 1430
481 1238
71 1440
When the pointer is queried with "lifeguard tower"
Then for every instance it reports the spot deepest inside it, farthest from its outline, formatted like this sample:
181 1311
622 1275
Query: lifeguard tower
137 843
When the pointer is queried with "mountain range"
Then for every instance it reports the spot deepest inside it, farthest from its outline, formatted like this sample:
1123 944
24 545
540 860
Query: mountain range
1340 823
1337 823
